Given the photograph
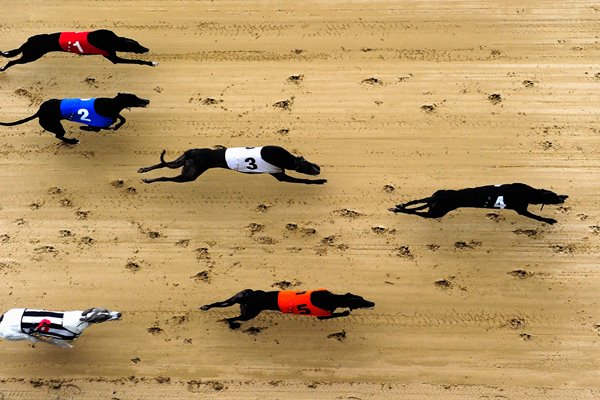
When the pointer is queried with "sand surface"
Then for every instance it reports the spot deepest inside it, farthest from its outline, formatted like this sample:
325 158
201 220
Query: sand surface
392 99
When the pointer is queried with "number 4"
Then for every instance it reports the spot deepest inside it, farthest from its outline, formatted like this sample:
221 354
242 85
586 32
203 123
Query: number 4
500 202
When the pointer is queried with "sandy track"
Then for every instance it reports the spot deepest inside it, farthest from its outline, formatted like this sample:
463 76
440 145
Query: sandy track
78 228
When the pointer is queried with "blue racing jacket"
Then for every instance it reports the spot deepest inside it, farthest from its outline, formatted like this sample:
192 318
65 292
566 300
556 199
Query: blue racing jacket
82 111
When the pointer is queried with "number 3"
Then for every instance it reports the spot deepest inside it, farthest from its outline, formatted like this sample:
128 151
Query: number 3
500 202
251 163
84 115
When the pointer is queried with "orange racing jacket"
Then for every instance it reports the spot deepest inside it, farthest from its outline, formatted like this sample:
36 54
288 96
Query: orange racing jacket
294 302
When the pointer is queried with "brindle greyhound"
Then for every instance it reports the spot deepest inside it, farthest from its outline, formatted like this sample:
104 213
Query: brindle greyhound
273 160
97 113
513 196
320 303
101 42
59 328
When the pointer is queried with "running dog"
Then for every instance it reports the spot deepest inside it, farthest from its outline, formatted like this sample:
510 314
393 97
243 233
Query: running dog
272 160
54 327
102 42
97 114
319 303
513 196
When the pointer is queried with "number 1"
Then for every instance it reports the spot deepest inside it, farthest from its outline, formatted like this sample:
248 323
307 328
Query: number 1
78 45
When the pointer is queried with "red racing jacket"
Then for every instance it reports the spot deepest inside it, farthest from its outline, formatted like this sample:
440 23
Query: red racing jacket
77 42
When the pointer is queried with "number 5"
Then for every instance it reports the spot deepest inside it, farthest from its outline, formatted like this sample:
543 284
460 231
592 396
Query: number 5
302 309
84 115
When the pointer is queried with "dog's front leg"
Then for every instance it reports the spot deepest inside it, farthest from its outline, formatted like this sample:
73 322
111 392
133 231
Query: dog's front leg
120 123
36 338
283 177
115 59
528 214
336 315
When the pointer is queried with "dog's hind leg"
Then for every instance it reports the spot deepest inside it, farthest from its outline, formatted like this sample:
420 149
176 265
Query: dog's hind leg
426 200
28 56
190 173
56 127
248 312
11 53
235 299
178 163
178 179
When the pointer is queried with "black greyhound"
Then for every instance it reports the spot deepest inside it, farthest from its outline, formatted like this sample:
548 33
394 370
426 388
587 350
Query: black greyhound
273 160
97 114
319 303
513 196
102 42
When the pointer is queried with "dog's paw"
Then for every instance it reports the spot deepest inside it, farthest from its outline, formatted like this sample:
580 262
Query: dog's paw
394 210
550 221
234 325
146 181
71 141
141 170
205 308
319 181
154 64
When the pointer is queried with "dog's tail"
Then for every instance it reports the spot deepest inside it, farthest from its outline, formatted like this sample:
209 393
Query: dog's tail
172 164
21 121
10 53
162 157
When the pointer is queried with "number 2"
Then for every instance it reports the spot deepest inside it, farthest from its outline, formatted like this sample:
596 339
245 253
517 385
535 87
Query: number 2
84 115
251 163
500 202
78 45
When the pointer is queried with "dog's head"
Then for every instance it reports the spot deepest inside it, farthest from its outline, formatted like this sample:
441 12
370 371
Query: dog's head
544 196
354 301
127 100
130 46
98 315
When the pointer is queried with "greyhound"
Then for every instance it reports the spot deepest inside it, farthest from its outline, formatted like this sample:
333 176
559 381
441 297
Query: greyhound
513 196
102 42
273 160
54 327
97 114
319 303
